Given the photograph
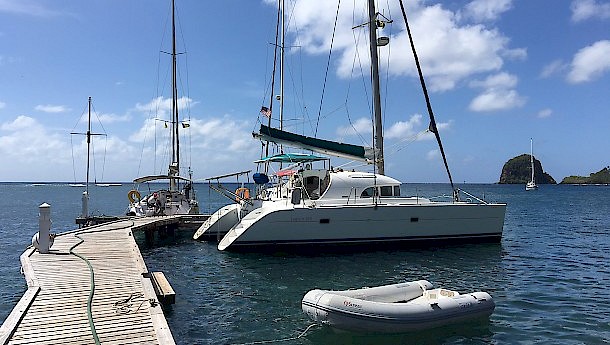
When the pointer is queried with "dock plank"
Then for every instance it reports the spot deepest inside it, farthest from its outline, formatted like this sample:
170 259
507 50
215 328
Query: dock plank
54 308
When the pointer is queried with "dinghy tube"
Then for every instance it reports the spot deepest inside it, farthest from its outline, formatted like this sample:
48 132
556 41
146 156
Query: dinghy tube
395 308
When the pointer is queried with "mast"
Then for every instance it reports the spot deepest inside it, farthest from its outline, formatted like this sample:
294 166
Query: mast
532 156
282 68
88 145
174 168
282 48
379 162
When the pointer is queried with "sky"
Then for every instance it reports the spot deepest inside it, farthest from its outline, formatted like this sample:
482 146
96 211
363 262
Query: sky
499 72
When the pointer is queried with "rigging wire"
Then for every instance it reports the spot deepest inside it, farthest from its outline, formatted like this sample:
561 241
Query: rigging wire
73 164
409 140
332 41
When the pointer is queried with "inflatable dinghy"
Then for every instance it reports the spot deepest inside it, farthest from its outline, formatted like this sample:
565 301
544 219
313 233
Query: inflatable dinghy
395 308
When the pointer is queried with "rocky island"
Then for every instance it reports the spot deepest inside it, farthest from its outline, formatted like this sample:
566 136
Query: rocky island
600 177
518 171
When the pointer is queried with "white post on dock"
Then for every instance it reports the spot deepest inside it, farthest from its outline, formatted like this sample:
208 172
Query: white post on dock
44 228
85 208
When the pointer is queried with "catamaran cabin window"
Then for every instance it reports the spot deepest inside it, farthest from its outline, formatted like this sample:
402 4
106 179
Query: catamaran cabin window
368 193
386 191
396 190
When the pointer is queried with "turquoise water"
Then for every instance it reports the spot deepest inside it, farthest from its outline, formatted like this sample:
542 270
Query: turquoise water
549 277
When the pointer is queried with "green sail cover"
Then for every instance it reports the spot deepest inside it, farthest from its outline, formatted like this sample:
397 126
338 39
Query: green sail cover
291 158
317 145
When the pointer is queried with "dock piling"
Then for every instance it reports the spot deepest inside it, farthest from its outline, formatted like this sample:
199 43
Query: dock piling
44 229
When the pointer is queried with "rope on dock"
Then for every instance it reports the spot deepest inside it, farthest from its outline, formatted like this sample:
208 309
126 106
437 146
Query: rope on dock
283 339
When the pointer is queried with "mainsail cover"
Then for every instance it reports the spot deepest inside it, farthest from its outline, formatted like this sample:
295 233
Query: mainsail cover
349 151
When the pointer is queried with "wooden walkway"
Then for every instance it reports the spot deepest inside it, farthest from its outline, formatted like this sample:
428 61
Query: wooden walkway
124 308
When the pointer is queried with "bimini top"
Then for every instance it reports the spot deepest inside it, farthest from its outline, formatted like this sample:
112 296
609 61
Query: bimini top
291 158
159 177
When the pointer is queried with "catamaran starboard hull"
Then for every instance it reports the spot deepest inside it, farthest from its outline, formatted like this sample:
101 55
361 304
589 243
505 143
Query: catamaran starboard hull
359 224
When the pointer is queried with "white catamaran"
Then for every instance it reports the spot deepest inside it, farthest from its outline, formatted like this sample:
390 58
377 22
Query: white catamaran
179 198
531 185
326 206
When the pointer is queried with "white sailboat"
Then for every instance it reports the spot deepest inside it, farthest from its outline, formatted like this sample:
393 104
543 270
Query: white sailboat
531 185
325 206
179 197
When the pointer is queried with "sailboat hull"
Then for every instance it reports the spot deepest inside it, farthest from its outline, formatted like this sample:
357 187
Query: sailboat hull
367 224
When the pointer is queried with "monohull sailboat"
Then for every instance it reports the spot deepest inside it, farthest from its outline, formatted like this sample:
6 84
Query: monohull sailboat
179 197
86 218
531 185
326 206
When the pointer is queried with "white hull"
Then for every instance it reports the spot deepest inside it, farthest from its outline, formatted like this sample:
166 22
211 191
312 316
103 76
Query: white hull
219 223
531 186
165 203
394 308
287 224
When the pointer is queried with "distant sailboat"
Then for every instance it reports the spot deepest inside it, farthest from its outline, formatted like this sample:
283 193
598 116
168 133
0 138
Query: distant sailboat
531 185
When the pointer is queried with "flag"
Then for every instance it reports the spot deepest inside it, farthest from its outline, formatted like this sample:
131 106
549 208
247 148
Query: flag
265 111
186 125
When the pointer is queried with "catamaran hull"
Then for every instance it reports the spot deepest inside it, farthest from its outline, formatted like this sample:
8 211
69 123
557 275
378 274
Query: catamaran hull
219 223
358 224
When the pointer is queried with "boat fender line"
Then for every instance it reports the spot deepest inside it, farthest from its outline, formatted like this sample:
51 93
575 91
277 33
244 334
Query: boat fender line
133 195
242 193
283 339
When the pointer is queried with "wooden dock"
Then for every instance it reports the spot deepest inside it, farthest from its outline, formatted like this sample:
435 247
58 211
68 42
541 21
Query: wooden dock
124 308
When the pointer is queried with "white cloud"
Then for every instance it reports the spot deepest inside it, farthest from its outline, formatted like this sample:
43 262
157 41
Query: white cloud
405 129
590 62
449 50
515 54
501 80
544 113
2 105
486 10
26 141
433 155
554 67
586 9
495 100
498 93
52 108
362 126
161 107
112 118
26 7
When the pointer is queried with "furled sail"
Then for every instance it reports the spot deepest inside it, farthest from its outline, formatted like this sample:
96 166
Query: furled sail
332 148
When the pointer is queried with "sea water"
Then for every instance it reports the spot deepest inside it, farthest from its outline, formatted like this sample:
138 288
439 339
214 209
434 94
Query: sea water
549 276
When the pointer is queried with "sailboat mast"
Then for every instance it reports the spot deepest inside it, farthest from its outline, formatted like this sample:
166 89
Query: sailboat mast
282 67
88 146
532 157
175 164
379 162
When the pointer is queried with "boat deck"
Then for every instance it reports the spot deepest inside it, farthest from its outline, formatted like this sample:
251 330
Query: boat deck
124 308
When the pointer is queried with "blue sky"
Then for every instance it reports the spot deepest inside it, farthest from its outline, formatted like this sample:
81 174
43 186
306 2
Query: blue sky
499 71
